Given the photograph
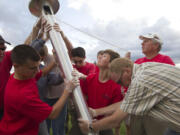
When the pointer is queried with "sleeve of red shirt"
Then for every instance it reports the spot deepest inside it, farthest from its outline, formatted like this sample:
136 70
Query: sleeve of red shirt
86 82
168 60
33 107
92 69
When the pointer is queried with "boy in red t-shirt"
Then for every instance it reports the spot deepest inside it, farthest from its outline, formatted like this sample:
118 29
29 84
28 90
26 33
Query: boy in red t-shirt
23 109
99 90
78 56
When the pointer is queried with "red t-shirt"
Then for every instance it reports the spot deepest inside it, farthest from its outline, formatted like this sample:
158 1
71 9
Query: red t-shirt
23 109
158 58
101 94
5 67
87 69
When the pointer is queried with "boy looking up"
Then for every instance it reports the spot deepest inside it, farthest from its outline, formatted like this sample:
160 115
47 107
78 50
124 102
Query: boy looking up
99 90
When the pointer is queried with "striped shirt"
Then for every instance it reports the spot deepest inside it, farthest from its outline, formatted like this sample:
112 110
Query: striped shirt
155 91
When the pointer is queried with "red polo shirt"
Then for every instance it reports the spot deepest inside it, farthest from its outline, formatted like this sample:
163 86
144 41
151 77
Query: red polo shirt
87 69
158 58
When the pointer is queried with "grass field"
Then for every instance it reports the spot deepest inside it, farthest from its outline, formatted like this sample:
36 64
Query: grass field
122 129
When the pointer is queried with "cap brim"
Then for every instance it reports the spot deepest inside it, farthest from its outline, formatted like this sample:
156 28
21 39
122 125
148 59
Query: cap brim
143 37
7 42
147 37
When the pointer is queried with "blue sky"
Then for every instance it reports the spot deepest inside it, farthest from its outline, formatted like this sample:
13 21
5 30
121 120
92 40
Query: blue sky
119 22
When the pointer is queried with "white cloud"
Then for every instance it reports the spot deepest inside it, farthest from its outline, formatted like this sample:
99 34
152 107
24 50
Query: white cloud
117 21
9 47
1 31
105 11
76 4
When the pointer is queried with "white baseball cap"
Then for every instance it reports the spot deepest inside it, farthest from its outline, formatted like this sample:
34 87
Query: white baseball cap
151 36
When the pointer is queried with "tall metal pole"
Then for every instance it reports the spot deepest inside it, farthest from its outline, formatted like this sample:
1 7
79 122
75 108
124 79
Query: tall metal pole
63 57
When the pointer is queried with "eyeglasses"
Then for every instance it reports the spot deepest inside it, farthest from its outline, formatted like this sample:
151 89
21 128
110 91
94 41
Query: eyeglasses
79 61
3 49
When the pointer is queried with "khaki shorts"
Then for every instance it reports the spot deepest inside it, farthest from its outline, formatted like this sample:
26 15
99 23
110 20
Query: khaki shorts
146 125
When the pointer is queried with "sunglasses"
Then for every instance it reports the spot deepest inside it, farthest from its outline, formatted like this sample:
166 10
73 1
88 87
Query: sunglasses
3 49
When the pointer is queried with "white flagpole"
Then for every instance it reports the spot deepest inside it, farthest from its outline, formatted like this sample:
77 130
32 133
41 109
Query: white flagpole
64 61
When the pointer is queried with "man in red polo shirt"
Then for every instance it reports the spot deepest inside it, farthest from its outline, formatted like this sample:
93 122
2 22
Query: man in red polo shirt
5 67
151 46
23 109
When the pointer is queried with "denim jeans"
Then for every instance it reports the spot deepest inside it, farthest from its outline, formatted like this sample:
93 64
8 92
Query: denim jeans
171 132
58 124
43 128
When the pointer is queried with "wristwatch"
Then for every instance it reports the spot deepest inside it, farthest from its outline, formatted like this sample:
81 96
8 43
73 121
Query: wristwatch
91 128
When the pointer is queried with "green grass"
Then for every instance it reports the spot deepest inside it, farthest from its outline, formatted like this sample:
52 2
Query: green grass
122 128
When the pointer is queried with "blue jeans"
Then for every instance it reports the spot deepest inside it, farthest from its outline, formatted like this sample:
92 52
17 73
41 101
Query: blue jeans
43 128
58 124
171 132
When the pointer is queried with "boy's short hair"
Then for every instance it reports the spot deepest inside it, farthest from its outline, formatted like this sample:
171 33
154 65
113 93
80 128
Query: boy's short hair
118 65
112 54
78 52
21 53
101 52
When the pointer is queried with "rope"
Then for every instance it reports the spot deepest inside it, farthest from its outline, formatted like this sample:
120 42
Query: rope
90 35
